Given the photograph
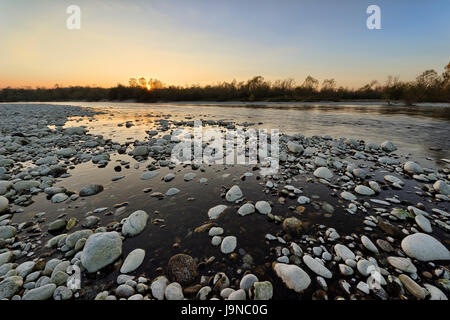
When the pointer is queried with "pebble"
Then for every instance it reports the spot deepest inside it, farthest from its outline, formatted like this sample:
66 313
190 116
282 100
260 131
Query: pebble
133 261
424 247
100 250
228 244
292 276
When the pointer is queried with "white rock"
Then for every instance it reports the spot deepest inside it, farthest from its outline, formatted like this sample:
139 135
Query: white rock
234 194
41 293
323 173
216 211
424 248
423 223
303 200
133 261
412 168
135 223
174 291
295 147
402 264
228 244
344 252
363 190
246 209
316 267
158 287
369 244
436 293
293 276
237 295
100 250
441 187
263 207
388 146
4 204
348 196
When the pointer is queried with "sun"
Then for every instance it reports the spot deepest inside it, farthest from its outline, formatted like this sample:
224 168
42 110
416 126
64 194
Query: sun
149 87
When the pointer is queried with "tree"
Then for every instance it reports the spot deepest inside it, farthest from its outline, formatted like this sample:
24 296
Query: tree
328 85
428 78
142 82
310 83
133 82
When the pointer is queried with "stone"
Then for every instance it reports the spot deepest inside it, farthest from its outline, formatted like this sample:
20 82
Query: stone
174 291
215 231
317 267
182 269
158 287
412 168
133 261
292 225
91 190
363 190
388 146
124 291
262 290
5 257
7 232
25 185
424 247
228 244
423 223
292 276
368 244
441 187
62 293
189 176
149 175
140 151
247 281
295 147
234 194
172 192
435 292
41 293
237 295
412 287
303 200
323 173
263 207
216 211
10 286
57 225
246 209
4 204
402 264
135 223
100 250
348 196
344 252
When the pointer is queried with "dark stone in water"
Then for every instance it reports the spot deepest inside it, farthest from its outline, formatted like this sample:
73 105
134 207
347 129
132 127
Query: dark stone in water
182 269
390 229
91 190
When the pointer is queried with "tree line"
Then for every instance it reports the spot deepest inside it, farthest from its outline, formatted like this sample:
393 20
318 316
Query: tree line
429 86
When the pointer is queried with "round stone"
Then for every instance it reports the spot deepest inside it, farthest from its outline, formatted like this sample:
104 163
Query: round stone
292 276
424 247
228 244
133 261
100 250
182 269
323 173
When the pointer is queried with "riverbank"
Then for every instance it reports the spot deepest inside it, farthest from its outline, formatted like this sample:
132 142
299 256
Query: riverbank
95 189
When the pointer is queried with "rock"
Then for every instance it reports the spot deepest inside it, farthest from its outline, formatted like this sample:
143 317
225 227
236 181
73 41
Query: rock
368 244
5 257
182 269
388 146
363 190
72 239
149 175
441 187
237 295
384 245
216 240
424 248
436 293
75 130
5 186
124 291
7 232
140 151
25 268
172 192
402 264
189 176
215 231
323 173
292 225
59 197
216 211
25 185
303 200
4 204
228 244
246 209
91 190
393 180
348 196
133 261
412 287
263 207
292 276
135 223
234 194
100 250
66 152
174 291
344 252
169 177
262 290
365 267
10 286
412 168
423 223
90 221
41 293
295 147
62 293
247 281
317 267
56 225
158 287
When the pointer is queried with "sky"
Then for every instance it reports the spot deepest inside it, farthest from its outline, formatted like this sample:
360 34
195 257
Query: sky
185 42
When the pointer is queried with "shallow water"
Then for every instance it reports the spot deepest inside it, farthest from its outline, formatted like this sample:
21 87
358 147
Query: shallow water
414 130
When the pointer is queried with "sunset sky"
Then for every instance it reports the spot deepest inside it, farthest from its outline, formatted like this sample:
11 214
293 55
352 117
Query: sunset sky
186 42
